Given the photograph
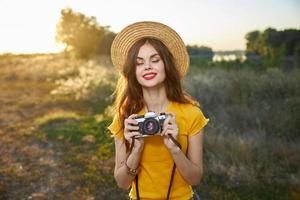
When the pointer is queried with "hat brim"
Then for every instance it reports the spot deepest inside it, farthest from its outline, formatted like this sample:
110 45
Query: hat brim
134 32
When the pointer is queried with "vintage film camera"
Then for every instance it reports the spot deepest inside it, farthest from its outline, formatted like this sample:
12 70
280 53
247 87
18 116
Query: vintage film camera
150 124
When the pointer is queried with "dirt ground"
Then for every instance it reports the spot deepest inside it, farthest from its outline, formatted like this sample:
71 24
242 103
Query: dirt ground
30 168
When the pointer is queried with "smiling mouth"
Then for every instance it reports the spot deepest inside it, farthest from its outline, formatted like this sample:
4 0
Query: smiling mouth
149 76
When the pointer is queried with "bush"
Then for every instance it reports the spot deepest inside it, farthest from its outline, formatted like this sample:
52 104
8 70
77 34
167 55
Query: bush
91 85
245 101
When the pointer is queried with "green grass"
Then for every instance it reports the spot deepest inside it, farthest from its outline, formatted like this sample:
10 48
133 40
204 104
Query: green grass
91 160
251 147
71 127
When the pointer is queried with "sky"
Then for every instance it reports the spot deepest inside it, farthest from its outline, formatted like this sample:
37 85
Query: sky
30 26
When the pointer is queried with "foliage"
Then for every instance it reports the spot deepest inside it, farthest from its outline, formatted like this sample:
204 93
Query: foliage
239 166
200 62
92 84
35 67
195 50
83 35
245 101
252 139
272 45
251 146
200 56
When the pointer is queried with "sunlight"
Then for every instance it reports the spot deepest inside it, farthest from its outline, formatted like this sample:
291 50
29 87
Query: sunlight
30 26
28 42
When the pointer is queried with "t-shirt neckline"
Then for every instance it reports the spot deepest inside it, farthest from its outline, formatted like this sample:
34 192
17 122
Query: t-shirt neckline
143 111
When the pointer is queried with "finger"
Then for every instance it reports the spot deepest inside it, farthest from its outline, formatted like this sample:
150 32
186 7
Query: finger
131 128
131 135
132 116
172 117
173 139
164 128
135 133
167 120
173 131
130 121
170 127
138 137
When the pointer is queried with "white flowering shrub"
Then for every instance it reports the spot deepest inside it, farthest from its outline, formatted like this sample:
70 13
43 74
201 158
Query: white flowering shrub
93 83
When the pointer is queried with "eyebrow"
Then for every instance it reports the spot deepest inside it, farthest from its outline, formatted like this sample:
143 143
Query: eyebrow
156 54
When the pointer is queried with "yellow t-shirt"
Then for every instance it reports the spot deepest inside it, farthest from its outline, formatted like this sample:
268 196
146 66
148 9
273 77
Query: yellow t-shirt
156 162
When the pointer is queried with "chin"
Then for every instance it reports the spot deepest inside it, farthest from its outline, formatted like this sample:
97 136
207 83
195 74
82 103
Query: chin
151 85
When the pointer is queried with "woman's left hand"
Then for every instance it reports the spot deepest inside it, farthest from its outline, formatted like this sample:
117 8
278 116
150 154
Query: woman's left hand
170 128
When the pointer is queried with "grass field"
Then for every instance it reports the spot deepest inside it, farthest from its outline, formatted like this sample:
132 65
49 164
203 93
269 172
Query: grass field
54 144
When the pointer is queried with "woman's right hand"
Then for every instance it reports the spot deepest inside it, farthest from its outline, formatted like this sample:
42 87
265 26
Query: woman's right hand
131 130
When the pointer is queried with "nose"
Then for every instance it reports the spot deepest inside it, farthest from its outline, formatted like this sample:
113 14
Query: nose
148 66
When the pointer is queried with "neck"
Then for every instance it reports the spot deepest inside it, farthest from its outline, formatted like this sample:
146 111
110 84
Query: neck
155 100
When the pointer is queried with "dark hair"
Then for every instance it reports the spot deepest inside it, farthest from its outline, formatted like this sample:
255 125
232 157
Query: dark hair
129 95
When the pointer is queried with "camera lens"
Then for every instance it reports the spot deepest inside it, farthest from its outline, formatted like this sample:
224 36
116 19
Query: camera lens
150 126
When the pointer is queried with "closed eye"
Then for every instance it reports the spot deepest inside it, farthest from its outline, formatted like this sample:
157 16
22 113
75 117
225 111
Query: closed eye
139 63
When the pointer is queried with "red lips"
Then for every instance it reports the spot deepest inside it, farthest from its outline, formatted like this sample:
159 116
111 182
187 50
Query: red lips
149 76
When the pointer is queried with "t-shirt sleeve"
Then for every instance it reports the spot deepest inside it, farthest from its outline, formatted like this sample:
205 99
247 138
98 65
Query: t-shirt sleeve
198 121
116 127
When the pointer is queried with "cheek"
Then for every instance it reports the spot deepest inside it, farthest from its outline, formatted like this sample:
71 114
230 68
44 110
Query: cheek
137 71
138 74
162 71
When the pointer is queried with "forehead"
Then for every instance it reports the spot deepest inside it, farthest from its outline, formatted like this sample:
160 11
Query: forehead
146 50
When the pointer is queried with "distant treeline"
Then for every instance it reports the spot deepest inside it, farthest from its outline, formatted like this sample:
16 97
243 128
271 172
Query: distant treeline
203 51
273 45
271 42
84 37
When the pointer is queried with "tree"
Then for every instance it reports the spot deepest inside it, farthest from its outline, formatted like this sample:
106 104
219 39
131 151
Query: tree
291 38
252 41
200 56
82 35
270 40
201 51
272 45
109 36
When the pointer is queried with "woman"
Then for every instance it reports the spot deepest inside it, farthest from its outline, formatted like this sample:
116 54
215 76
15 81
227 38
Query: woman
152 59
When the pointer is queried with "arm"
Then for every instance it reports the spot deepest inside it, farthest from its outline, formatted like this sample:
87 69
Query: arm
124 161
121 175
190 166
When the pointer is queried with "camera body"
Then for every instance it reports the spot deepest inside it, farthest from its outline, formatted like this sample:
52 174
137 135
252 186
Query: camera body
150 123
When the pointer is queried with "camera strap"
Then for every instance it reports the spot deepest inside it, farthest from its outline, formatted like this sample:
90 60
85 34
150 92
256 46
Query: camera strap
172 175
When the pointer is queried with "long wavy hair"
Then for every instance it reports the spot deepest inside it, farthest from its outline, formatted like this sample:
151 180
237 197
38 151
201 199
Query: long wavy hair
129 95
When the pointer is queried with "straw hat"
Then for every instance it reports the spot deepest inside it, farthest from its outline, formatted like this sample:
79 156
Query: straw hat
134 32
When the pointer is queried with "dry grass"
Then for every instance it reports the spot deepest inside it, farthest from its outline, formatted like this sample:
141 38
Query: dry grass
252 141
249 153
31 165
